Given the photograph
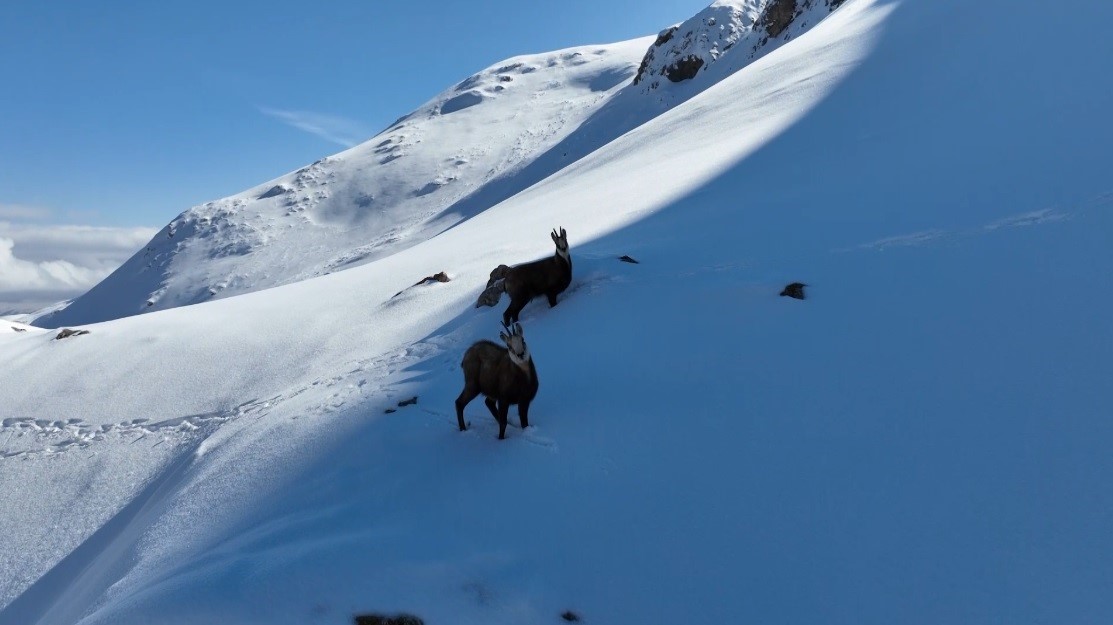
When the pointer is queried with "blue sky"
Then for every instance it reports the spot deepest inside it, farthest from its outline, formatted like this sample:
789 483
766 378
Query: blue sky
126 113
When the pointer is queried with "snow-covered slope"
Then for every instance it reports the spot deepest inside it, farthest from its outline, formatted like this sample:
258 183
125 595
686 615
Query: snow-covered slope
922 440
489 137
410 182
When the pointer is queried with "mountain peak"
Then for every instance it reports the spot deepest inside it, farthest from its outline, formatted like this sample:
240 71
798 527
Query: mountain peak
725 29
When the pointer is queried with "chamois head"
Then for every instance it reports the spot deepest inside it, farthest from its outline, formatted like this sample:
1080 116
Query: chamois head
515 344
561 241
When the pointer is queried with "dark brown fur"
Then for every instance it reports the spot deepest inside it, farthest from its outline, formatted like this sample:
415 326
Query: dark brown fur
488 370
548 277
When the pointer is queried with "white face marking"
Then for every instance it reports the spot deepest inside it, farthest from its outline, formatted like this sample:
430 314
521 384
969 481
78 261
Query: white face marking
561 242
519 353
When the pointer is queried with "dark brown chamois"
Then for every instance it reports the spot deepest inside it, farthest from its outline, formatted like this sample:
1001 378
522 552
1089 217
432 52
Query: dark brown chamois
505 375
548 277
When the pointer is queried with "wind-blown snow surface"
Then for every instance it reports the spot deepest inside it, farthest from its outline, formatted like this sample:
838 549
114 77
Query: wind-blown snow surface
924 440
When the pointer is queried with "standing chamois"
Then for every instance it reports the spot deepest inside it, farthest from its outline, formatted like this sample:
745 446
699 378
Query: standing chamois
548 277
504 375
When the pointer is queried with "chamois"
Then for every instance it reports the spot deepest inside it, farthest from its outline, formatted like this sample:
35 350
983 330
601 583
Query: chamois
504 375
548 277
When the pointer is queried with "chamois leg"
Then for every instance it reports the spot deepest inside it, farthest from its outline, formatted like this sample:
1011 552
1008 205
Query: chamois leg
465 397
523 414
504 408
515 307
552 299
490 401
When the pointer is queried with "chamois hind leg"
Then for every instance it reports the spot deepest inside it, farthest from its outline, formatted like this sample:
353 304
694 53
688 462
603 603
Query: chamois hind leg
515 307
465 397
504 408
523 414
552 299
490 401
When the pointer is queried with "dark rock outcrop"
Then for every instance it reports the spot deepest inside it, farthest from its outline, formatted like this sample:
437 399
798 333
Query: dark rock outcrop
741 30
662 38
437 277
794 290
274 191
684 69
380 619
493 293
778 15
68 332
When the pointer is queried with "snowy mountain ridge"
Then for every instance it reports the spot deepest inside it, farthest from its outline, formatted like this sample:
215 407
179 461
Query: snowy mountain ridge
431 169
755 27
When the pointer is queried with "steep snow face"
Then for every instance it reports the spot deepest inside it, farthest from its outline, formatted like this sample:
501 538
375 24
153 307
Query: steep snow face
405 185
738 30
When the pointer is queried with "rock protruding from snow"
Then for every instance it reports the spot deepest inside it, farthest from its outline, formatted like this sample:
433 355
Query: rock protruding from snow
725 29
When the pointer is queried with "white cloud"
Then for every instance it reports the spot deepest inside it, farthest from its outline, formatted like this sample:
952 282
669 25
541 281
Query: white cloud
42 264
346 132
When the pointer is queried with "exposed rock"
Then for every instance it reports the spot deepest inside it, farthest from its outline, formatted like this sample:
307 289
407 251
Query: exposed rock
437 277
382 619
491 295
274 191
390 410
627 259
662 38
740 30
794 290
498 274
67 332
19 329
570 616
778 15
684 69
407 402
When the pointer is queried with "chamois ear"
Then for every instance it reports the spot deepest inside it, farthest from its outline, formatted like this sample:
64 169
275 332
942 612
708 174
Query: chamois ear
555 236
563 234
517 329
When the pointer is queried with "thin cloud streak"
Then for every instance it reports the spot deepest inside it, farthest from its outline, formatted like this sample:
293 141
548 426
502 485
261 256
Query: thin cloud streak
340 130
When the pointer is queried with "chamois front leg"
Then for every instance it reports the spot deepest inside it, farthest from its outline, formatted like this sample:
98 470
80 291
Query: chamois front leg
504 409
465 397
515 307
552 299
523 414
